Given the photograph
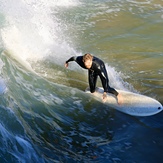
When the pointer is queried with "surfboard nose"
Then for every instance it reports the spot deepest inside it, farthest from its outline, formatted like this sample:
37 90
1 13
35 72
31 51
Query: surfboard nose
160 108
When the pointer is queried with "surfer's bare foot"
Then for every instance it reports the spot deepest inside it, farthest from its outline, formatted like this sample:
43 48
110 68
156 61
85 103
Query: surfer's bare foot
120 99
104 97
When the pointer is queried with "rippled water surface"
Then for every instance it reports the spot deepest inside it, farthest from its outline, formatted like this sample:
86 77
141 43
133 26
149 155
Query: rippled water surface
45 116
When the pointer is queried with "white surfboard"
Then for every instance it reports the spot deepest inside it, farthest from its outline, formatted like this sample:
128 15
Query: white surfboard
133 104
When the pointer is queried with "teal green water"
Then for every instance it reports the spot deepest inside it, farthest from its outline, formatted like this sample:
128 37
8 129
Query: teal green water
44 114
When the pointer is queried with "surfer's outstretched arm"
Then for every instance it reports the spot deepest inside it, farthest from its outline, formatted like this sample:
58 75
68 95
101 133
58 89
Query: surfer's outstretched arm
69 60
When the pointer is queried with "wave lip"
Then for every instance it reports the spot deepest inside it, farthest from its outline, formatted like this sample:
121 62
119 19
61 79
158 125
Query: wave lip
33 31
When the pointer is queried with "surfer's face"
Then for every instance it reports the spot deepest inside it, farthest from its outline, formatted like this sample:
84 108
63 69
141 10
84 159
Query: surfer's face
88 63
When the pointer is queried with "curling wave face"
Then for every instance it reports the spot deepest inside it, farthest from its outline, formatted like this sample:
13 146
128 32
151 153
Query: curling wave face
44 114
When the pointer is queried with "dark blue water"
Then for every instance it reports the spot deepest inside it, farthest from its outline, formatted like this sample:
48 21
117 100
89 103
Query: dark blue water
45 116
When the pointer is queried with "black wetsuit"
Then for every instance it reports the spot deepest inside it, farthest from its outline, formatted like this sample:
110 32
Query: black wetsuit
97 69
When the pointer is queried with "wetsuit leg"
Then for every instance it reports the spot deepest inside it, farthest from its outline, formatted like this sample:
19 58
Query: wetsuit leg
92 77
105 81
112 90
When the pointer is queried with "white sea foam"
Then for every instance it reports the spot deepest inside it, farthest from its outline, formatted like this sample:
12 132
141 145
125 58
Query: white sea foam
33 31
116 79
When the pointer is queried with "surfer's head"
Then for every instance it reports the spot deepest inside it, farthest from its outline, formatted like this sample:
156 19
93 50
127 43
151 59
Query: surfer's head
87 59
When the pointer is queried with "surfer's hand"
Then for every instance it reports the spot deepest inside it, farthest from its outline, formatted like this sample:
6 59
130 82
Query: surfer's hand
66 65
104 97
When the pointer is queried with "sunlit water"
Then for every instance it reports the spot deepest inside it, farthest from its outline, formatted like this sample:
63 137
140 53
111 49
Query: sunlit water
45 116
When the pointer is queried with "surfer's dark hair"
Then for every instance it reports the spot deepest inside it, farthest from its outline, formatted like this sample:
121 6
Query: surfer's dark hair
87 56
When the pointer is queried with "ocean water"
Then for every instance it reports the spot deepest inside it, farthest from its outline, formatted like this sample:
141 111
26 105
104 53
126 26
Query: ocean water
45 116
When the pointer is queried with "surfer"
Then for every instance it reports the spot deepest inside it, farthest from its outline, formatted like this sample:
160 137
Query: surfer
96 67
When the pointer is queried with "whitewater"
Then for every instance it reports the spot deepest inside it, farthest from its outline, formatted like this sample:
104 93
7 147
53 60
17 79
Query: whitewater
45 116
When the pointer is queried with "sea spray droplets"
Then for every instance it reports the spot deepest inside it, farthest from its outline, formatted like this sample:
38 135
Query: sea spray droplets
33 30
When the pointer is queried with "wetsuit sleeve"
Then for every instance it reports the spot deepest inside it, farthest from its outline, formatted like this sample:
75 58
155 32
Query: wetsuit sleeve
77 59
71 59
